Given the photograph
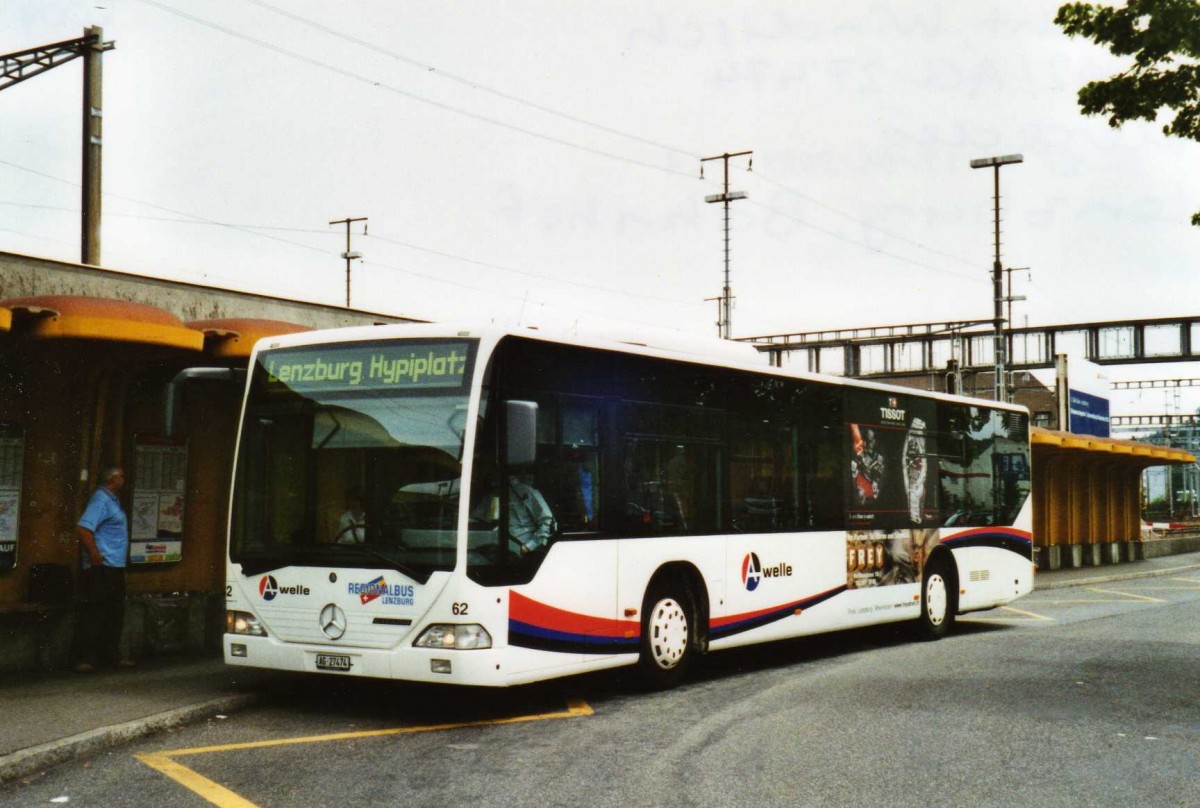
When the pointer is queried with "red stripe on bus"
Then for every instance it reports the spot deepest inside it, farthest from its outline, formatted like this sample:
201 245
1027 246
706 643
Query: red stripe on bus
989 531
527 610
721 622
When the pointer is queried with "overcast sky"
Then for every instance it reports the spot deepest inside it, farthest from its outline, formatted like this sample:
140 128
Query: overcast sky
539 161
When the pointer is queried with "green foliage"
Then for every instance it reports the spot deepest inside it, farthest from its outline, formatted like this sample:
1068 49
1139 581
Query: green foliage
1163 37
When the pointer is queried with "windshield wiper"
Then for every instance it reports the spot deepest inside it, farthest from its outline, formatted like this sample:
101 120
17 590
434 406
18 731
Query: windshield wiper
258 563
316 555
418 576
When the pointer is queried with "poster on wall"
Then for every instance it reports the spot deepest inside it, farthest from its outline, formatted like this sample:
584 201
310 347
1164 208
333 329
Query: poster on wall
156 517
12 468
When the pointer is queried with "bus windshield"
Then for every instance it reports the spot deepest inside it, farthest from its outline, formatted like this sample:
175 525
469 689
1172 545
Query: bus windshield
350 456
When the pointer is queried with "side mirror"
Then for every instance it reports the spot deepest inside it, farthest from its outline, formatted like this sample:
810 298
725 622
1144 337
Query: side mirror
521 417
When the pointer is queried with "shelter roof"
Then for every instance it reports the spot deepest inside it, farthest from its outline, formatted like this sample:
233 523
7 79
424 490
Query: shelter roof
234 338
1147 453
81 317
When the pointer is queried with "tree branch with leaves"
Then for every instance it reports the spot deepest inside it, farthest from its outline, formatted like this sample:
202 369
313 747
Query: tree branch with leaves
1163 37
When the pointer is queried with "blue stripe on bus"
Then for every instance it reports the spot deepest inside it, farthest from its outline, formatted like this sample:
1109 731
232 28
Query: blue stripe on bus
1015 541
760 619
527 635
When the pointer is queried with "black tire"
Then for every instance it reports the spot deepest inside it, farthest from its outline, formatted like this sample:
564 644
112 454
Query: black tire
939 601
669 634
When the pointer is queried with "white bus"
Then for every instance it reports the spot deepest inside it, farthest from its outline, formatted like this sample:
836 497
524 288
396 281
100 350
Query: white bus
523 506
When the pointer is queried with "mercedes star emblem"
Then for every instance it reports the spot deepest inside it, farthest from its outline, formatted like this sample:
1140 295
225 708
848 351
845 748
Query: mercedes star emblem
333 622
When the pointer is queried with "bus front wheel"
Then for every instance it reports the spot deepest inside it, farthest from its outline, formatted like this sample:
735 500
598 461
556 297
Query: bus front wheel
937 602
668 634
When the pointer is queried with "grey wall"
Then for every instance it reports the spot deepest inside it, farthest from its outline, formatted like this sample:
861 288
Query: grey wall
26 276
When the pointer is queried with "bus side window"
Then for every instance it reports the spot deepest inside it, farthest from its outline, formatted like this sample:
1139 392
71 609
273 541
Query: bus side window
578 468
762 484
670 487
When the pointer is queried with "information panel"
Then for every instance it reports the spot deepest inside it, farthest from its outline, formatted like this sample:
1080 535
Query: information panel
12 469
1085 386
156 518
372 367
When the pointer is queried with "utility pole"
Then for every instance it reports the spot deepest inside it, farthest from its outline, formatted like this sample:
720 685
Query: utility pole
348 254
998 385
724 325
21 65
93 134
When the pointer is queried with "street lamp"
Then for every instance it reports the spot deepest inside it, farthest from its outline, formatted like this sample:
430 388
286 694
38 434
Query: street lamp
997 273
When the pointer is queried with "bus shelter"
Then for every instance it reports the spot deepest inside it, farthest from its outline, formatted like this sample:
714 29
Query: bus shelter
90 381
1087 497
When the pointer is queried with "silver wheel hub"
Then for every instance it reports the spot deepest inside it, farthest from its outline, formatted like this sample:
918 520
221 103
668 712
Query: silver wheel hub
936 599
668 628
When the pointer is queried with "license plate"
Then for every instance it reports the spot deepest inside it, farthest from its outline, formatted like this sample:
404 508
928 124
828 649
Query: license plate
333 662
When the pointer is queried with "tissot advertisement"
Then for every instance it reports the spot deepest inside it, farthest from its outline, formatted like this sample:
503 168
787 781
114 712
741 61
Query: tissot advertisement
156 519
892 466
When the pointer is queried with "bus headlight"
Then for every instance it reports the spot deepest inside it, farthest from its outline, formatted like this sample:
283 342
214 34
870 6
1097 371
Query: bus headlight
243 623
460 636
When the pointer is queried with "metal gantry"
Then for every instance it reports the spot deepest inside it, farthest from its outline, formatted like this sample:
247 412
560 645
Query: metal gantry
1151 384
1158 421
21 65
922 348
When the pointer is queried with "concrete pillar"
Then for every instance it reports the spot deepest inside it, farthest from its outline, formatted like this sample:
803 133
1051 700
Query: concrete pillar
1057 499
1049 558
1078 510
1097 502
1042 536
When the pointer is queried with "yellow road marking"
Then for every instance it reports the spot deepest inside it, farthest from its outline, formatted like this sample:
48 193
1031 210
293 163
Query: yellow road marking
214 793
1125 594
1169 570
984 616
1083 602
222 797
1034 615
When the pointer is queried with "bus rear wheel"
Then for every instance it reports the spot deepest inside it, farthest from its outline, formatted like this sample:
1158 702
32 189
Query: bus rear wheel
937 602
668 635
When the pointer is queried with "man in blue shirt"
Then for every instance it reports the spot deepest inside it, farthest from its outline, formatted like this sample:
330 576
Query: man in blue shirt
103 533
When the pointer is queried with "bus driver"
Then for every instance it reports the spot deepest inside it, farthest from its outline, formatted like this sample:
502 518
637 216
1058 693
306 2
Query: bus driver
530 520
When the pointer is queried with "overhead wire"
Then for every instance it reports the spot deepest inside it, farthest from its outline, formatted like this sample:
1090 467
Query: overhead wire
201 219
250 229
523 297
475 85
860 244
849 217
526 273
542 108
410 95
170 219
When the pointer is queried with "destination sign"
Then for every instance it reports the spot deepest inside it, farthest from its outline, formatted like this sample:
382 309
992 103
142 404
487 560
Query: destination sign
376 366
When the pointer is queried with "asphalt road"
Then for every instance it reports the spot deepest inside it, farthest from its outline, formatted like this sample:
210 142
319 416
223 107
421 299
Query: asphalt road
1082 696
